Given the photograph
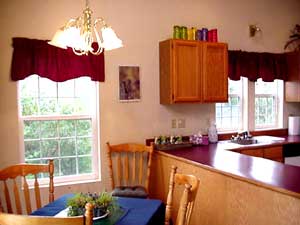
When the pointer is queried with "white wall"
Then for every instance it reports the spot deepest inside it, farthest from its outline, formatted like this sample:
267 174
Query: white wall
141 25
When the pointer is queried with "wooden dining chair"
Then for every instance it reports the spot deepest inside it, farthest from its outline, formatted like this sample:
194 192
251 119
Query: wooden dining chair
186 204
15 182
129 169
14 219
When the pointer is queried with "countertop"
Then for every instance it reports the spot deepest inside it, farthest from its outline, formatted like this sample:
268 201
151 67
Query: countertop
271 174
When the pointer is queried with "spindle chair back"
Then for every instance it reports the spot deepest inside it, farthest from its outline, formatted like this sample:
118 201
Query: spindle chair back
14 219
191 184
129 165
15 185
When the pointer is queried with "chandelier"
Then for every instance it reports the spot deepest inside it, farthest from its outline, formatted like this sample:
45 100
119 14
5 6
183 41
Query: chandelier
80 33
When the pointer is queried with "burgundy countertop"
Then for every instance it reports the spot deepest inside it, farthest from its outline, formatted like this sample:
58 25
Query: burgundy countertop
285 178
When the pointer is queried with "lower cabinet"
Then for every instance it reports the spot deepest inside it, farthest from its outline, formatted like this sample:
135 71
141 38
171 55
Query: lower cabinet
253 152
274 153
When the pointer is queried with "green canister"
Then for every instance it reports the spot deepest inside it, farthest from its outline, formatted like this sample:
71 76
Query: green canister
176 32
183 33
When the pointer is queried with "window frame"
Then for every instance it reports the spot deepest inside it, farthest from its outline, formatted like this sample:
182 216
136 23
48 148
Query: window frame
241 115
95 155
278 100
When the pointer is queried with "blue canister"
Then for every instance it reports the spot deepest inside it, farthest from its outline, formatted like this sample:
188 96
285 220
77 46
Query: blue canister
204 34
199 35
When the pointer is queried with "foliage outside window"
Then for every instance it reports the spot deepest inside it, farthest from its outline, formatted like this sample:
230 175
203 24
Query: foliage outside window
229 115
266 104
59 122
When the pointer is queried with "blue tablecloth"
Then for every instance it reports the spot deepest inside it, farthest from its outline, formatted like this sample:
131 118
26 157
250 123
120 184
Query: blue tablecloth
139 211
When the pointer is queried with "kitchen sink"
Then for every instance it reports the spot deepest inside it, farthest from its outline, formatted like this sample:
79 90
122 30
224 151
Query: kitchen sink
257 140
245 141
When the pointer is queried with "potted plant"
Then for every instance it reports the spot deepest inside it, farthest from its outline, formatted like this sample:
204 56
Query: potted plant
103 203
294 38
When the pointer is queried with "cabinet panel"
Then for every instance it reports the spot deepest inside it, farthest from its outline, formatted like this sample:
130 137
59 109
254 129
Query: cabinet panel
273 152
186 69
253 152
215 72
292 85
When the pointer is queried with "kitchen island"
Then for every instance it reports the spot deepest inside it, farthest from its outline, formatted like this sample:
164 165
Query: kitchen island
234 188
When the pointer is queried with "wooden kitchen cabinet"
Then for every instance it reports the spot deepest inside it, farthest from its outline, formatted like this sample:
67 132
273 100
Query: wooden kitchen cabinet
193 71
273 152
292 85
253 152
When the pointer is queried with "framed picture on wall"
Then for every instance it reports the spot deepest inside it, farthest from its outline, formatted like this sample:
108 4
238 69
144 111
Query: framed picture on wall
129 83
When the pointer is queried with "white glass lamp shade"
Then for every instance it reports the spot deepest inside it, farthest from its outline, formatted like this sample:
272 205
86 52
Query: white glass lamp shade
110 39
58 39
69 37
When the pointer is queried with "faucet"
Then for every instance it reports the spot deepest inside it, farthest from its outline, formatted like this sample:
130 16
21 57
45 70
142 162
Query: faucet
245 135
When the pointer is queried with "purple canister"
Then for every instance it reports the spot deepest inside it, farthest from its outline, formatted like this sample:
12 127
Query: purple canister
204 34
199 35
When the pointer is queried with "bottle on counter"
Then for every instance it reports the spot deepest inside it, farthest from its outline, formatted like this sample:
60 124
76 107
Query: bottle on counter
212 133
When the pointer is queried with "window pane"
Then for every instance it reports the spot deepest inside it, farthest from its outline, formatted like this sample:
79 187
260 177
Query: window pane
84 164
68 166
49 148
218 109
48 129
228 115
29 106
48 106
265 87
31 129
67 147
66 106
67 128
32 149
29 87
84 128
48 88
266 94
66 89
234 87
84 146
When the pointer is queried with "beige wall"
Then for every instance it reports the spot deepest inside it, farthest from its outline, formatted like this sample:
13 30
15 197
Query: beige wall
141 24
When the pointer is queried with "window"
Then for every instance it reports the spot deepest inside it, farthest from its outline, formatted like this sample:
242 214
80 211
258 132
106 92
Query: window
59 122
266 104
229 115
251 106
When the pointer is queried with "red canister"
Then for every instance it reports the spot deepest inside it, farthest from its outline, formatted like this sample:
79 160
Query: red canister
214 33
209 36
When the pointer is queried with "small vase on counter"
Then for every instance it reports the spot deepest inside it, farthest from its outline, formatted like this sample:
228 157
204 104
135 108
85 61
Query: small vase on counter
212 133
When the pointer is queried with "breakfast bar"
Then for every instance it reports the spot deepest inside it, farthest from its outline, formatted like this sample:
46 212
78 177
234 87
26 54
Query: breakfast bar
231 183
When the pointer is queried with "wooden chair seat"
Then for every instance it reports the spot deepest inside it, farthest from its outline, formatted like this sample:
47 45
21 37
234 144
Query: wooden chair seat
13 219
14 176
129 169
190 183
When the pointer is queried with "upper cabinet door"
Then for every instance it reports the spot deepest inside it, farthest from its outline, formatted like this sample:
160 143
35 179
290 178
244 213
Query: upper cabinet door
292 85
215 72
186 71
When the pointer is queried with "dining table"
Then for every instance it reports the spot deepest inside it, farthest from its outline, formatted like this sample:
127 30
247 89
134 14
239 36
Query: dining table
132 211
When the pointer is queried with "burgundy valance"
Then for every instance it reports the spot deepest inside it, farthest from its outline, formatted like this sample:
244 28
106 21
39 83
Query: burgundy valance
255 65
31 56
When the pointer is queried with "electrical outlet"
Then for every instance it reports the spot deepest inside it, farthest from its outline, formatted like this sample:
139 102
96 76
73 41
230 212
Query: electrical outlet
181 123
174 123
